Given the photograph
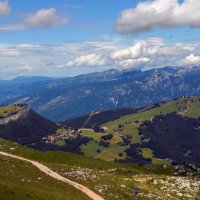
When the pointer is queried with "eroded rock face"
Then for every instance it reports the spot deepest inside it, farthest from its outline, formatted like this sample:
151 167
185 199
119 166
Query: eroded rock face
15 117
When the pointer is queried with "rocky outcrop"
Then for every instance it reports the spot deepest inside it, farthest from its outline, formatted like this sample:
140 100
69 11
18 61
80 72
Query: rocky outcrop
15 117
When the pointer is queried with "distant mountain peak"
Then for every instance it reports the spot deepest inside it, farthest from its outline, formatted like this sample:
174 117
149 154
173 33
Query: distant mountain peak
24 79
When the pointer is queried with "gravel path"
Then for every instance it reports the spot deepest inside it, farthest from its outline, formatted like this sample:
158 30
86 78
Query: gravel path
55 175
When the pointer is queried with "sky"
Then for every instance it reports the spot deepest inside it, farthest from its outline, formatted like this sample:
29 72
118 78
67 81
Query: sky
71 37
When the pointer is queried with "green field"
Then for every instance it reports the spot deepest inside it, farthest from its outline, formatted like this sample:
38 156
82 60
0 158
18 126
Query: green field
60 143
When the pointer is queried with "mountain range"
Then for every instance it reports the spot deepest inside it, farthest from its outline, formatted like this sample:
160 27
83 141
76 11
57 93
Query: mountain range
65 98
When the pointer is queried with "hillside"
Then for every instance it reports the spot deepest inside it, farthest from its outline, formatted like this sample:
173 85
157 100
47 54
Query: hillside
110 180
21 180
96 118
21 124
138 137
72 97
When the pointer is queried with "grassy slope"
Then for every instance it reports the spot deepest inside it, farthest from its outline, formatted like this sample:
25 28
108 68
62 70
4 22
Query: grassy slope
19 180
110 153
111 180
190 108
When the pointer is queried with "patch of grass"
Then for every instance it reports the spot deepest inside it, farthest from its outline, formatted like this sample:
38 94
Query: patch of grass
110 154
60 143
91 149
92 134
61 131
147 153
97 136
194 107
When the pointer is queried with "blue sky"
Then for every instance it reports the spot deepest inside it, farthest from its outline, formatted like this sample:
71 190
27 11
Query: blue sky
71 37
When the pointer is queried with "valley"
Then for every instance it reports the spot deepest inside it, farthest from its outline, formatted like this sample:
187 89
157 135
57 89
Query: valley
114 153
125 130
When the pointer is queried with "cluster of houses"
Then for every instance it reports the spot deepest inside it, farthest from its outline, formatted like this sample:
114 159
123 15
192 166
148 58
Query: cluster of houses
69 135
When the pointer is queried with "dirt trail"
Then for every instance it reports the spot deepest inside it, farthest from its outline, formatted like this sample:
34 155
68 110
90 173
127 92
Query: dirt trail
55 175
187 108
107 129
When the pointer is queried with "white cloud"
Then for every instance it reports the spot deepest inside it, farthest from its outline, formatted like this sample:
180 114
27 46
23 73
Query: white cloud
4 8
133 62
141 49
154 14
28 46
85 60
8 51
25 67
138 49
43 18
153 52
190 60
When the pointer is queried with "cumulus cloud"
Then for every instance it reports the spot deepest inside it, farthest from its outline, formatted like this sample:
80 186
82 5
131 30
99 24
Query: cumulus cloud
43 18
4 8
136 50
133 62
85 60
190 60
150 15
141 49
154 52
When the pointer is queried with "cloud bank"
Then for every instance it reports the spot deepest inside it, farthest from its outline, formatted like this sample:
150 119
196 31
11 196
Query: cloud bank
86 56
148 53
154 14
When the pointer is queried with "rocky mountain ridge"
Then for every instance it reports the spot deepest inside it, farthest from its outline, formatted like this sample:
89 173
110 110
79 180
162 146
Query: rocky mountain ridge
72 97
21 114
